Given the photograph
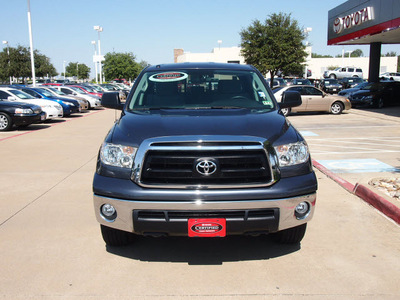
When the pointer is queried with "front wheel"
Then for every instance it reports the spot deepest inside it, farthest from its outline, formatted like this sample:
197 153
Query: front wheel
379 103
333 76
5 122
336 108
116 237
292 235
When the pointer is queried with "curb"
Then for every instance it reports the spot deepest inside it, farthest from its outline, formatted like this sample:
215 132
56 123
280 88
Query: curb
361 191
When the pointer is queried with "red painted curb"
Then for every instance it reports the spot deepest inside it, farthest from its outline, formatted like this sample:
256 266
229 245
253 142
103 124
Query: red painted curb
345 184
380 203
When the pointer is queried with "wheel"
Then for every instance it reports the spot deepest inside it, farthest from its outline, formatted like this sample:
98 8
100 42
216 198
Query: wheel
333 76
285 111
5 122
336 108
292 235
116 237
379 103
88 106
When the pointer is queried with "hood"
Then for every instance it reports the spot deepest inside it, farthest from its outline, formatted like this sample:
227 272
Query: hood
361 93
134 127
17 104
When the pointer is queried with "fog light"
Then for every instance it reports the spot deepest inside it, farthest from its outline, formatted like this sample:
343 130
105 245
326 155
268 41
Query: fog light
302 210
108 212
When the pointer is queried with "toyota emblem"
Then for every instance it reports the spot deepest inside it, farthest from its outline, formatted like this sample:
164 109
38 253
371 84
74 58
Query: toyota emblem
206 167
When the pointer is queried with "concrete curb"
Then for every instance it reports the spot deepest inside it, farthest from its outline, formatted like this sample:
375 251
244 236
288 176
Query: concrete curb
361 191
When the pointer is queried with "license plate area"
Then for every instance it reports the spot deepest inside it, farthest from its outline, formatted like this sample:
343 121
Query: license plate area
210 227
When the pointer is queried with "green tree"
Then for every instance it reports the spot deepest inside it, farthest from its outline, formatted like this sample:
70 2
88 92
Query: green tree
75 69
274 45
357 53
120 65
389 54
16 62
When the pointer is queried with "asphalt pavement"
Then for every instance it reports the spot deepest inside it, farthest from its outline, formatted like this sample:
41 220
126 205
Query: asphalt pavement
51 246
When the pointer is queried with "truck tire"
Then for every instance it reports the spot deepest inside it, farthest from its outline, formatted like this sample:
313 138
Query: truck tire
292 235
333 76
115 237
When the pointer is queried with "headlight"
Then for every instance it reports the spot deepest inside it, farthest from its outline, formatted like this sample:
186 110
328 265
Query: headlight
117 155
57 106
69 103
368 98
292 154
23 111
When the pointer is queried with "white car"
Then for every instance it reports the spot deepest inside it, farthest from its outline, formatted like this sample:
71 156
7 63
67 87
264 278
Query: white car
94 101
51 108
390 76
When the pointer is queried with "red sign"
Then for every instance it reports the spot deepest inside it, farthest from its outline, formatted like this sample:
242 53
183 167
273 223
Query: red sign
207 227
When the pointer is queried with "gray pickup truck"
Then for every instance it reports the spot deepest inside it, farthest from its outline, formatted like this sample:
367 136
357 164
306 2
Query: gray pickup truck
203 150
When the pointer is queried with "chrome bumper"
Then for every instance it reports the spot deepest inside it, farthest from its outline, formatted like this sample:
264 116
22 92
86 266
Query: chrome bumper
125 208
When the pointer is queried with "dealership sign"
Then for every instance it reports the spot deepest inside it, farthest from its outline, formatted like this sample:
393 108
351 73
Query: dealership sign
352 20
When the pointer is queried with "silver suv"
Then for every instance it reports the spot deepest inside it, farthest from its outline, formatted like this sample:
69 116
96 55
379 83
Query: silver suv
343 72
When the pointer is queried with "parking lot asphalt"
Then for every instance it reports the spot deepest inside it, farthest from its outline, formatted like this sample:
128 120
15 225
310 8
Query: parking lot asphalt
356 149
51 247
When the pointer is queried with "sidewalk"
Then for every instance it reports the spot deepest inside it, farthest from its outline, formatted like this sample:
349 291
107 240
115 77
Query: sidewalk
374 188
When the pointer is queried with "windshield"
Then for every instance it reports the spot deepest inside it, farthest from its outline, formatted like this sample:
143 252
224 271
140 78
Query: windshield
55 91
78 90
201 89
45 93
372 86
21 94
331 81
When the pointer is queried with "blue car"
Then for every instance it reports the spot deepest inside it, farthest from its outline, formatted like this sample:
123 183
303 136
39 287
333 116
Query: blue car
69 106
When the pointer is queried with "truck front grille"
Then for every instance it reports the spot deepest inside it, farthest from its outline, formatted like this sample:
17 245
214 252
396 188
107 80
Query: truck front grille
228 166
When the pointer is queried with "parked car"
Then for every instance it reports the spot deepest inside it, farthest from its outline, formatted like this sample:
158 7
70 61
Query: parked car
350 82
69 106
390 76
94 101
277 82
84 104
51 108
313 99
331 86
347 92
214 160
301 81
19 114
343 72
89 90
377 94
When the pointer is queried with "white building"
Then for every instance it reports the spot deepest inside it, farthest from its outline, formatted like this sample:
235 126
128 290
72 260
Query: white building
316 65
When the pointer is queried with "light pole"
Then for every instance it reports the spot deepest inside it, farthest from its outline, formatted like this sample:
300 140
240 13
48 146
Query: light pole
31 44
219 44
349 52
306 31
99 29
64 69
8 53
94 59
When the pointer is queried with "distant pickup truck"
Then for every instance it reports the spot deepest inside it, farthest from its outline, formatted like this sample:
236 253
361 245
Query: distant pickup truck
343 72
203 150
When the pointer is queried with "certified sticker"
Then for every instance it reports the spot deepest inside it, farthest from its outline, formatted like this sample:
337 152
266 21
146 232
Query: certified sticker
168 77
207 227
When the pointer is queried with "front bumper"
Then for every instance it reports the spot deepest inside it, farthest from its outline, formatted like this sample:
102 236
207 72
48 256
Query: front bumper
129 214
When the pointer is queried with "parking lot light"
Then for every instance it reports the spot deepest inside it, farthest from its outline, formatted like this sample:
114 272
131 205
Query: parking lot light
99 29
95 60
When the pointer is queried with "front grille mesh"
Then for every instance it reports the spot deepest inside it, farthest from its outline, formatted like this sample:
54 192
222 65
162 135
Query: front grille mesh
234 166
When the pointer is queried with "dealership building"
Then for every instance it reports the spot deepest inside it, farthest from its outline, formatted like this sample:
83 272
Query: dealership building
355 22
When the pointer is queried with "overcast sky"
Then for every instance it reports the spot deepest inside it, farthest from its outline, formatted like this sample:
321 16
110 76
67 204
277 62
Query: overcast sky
63 29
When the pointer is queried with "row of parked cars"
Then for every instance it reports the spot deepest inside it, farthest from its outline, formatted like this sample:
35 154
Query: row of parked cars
360 94
24 105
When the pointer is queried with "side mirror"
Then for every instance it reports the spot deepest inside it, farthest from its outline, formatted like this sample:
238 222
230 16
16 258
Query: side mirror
290 99
112 100
10 98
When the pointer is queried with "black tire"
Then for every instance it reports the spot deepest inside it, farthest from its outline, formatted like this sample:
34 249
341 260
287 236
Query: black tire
333 76
116 237
336 108
285 111
292 235
5 122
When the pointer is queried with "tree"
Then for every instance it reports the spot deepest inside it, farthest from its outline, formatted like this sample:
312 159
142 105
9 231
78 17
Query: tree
357 53
315 55
389 54
275 45
16 62
80 71
120 65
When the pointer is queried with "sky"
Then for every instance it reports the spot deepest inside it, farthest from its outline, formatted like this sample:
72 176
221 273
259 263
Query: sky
63 29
